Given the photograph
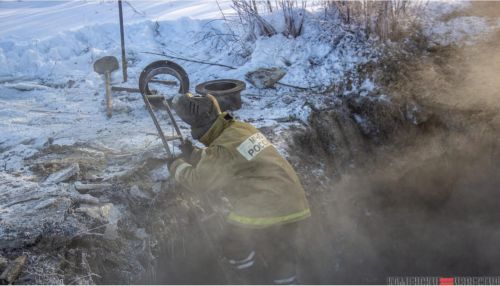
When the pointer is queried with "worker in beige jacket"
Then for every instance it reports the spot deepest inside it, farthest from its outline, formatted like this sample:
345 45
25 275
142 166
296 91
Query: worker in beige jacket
266 198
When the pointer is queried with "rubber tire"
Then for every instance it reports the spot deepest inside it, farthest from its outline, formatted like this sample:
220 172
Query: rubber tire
239 86
229 99
163 67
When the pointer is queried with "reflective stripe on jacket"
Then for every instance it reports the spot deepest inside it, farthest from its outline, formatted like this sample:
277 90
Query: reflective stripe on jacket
261 186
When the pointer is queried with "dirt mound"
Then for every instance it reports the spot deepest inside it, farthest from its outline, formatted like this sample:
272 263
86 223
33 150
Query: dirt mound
103 223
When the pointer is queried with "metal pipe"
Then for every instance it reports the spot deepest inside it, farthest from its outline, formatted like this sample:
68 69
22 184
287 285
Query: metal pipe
176 127
157 125
109 100
122 36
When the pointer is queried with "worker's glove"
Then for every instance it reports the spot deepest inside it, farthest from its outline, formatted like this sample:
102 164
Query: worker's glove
187 149
170 160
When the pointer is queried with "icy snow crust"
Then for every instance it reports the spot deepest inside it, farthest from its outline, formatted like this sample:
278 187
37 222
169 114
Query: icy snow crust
48 88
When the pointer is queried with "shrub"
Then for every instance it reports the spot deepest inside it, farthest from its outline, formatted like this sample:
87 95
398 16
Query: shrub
248 12
250 15
387 20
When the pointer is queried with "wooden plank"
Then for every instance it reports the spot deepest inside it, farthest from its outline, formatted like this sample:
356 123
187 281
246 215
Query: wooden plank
126 89
79 186
12 271
172 138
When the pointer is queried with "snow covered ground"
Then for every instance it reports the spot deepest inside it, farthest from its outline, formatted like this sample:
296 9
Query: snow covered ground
41 19
48 88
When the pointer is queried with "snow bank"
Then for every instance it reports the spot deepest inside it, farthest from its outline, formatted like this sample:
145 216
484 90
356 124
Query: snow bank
41 19
48 88
444 24
464 29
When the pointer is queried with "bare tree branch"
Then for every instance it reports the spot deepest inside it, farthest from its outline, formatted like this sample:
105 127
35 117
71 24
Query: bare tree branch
190 60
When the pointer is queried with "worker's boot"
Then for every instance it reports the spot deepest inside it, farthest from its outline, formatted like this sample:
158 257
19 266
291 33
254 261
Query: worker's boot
241 270
283 274
279 251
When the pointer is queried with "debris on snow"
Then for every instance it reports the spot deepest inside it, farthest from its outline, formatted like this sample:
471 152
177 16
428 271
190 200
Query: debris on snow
3 263
98 212
265 77
135 191
63 175
26 86
415 113
12 271
85 199
84 188
31 212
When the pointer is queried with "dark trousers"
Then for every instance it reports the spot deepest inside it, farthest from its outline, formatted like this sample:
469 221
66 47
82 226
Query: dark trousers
261 256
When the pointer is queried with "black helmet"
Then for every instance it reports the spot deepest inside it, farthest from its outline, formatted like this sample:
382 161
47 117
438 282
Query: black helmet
198 111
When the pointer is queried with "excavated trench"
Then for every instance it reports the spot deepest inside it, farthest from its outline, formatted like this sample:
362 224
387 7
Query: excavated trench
405 186
395 198
424 207
410 186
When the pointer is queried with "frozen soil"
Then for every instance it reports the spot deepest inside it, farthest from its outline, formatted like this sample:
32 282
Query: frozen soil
415 188
424 207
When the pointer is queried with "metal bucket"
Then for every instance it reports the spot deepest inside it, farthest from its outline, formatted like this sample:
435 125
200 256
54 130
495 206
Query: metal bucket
227 92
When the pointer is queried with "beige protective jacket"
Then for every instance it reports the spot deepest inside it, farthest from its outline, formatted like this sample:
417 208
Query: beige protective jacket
261 186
